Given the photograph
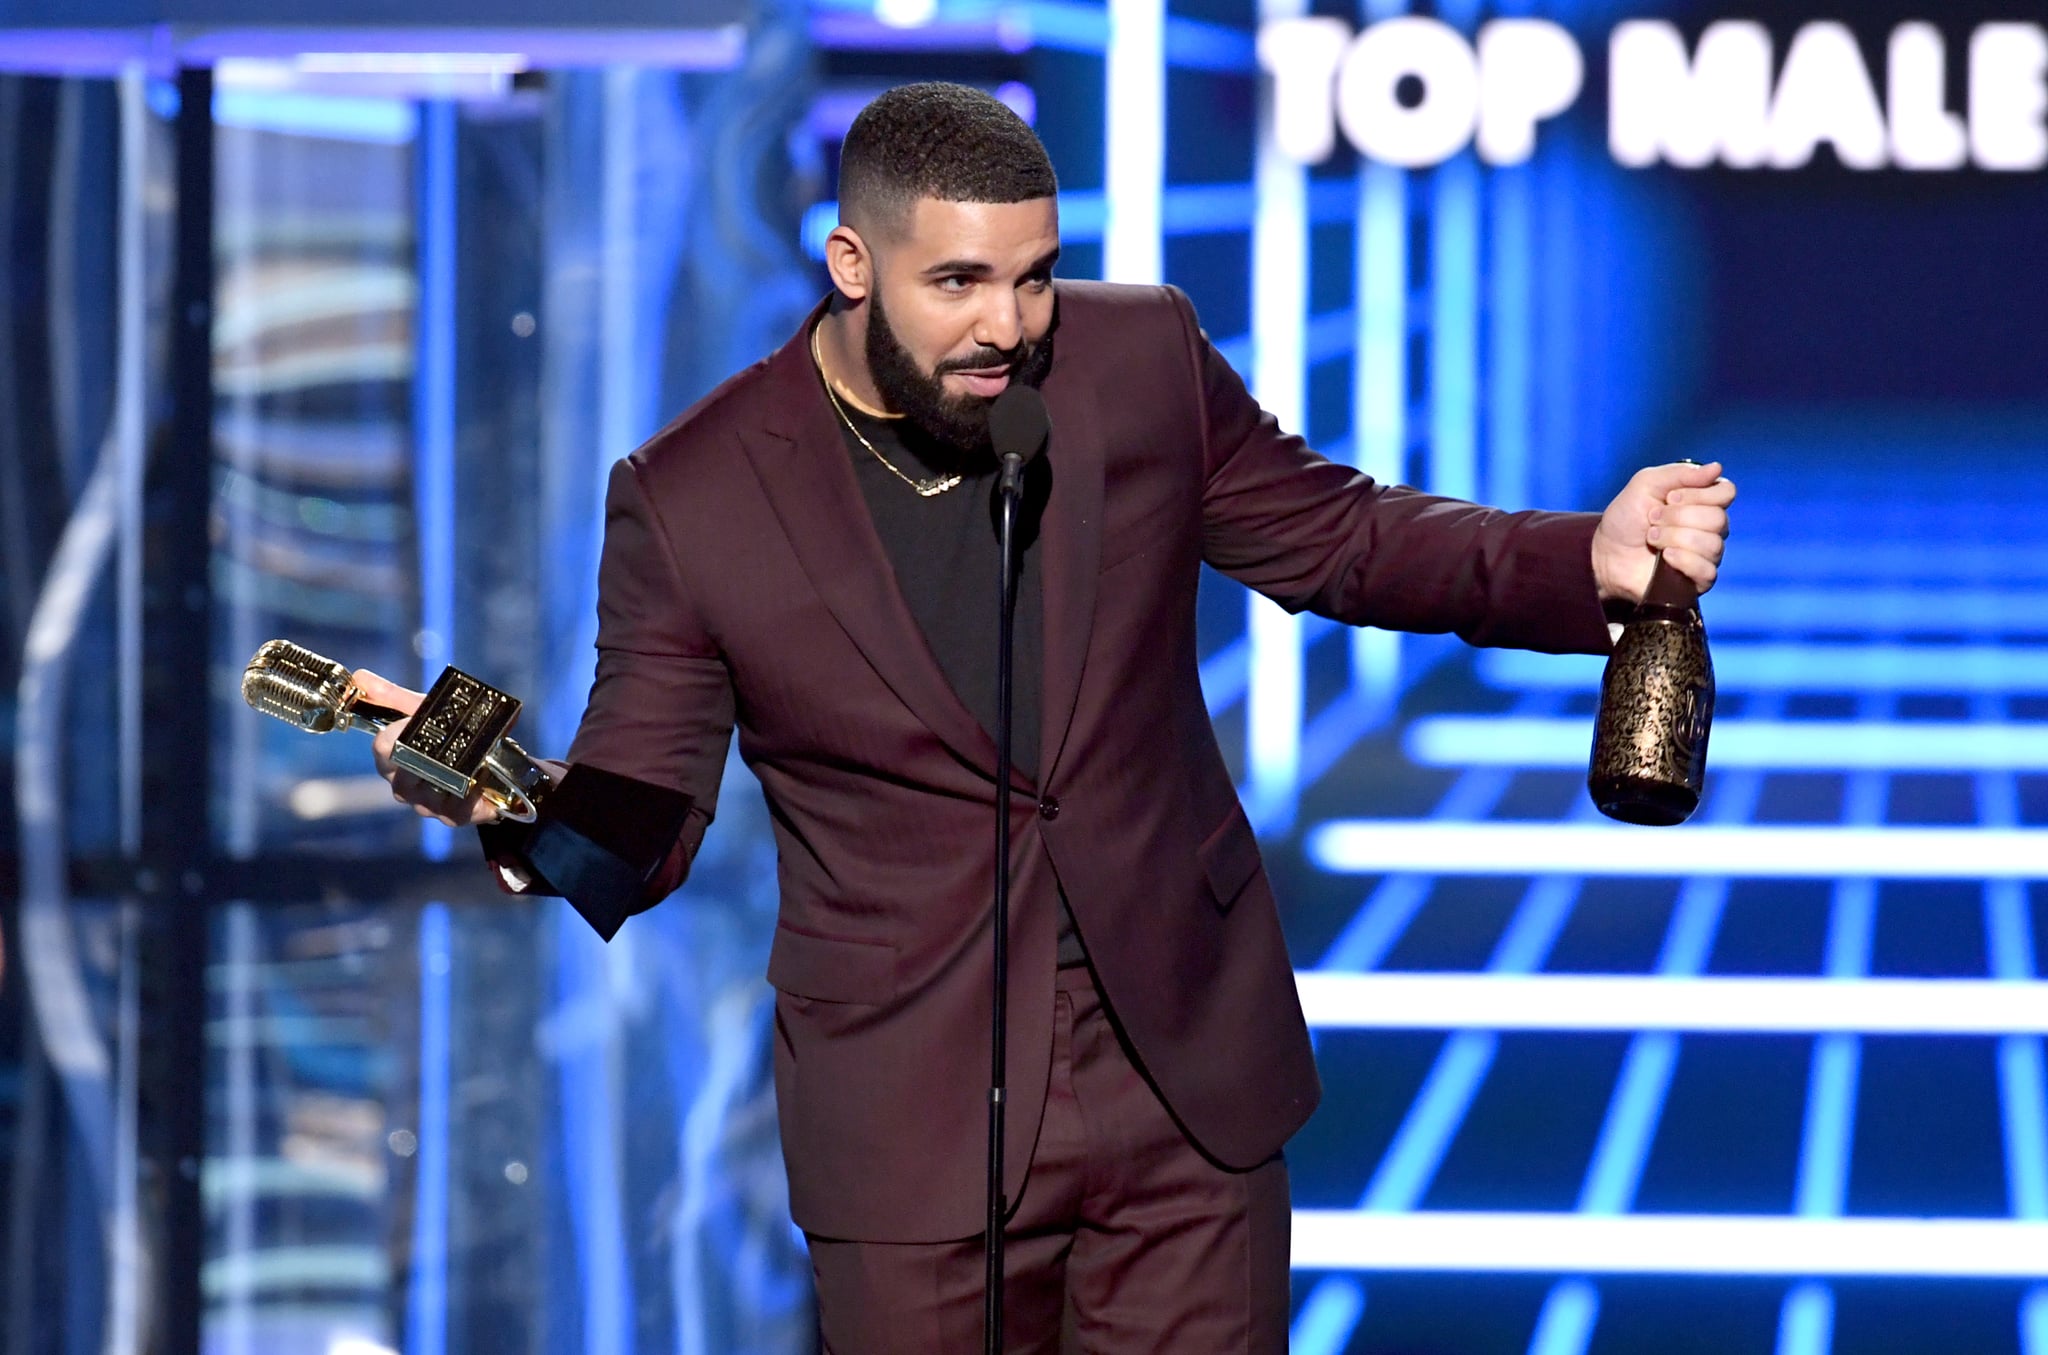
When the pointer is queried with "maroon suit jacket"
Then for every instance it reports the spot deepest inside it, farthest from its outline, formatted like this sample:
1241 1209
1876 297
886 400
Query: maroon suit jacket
742 581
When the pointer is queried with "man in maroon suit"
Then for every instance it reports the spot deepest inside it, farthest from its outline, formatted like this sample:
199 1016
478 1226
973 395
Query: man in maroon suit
807 554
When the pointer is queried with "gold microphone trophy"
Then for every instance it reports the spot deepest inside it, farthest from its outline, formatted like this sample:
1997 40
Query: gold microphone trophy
456 740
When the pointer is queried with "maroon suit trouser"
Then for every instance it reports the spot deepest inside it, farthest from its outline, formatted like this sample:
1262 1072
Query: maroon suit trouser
1127 1240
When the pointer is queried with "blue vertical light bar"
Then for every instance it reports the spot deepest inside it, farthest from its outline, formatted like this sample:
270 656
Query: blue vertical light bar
239 417
2005 922
1631 1123
1274 705
1831 1090
1433 1120
434 518
1565 1326
1379 922
1533 932
1852 925
1454 307
1379 386
235 1306
1824 1146
426 1320
1273 712
623 380
593 1172
2022 1069
126 1254
1554 419
1511 331
1454 330
2034 1322
131 439
1328 1316
2023 1098
1806 1324
131 408
434 407
1134 149
1510 336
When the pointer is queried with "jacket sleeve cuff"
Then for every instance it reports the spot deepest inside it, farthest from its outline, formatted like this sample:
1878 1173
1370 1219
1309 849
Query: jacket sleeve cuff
1552 603
598 841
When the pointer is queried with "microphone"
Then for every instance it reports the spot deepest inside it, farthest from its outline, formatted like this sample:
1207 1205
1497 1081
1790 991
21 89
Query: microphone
456 740
1018 427
304 689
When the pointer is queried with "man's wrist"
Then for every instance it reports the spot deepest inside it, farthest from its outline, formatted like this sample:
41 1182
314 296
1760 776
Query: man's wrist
1606 575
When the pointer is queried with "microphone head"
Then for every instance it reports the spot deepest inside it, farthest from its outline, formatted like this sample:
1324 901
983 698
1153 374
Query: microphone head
1018 424
298 686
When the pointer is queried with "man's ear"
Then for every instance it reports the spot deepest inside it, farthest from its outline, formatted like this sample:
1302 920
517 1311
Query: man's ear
848 261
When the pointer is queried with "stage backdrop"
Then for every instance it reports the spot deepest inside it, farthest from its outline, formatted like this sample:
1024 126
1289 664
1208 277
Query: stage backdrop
1770 1082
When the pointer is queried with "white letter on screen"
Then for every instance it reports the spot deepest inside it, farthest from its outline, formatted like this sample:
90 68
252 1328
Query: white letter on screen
1370 111
2008 96
1529 70
1925 135
1302 55
1663 107
1825 94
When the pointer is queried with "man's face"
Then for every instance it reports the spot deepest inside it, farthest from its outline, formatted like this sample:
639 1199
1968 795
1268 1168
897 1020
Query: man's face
961 308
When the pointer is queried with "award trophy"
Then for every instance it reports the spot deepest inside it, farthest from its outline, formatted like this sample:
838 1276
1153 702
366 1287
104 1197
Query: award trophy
592 836
456 740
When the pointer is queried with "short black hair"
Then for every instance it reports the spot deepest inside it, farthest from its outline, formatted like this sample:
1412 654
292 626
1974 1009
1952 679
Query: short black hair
937 140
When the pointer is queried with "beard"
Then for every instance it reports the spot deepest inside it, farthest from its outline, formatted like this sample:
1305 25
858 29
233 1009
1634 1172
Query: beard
958 423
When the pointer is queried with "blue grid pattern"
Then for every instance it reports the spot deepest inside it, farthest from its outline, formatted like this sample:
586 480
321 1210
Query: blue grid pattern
1847 660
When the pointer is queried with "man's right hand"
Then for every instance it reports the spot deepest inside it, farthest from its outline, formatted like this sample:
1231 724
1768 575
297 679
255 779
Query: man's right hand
427 800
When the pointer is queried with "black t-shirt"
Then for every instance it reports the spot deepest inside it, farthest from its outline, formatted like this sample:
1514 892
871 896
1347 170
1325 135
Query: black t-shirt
946 555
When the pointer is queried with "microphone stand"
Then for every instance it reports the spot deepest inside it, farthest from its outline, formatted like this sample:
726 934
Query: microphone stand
1009 490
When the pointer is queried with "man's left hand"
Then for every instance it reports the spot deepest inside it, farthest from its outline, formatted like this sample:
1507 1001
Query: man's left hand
1679 511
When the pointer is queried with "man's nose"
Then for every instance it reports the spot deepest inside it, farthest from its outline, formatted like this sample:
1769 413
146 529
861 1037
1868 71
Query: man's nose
1000 324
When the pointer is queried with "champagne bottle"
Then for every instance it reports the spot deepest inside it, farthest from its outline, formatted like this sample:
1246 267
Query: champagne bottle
1656 709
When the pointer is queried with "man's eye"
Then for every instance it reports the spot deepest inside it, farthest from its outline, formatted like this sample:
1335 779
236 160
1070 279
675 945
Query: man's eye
1038 282
955 283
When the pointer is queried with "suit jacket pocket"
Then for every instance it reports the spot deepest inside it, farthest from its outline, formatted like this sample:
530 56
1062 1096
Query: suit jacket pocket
1229 857
831 968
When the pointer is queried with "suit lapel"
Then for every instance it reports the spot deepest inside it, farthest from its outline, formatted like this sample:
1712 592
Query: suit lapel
1072 549
803 467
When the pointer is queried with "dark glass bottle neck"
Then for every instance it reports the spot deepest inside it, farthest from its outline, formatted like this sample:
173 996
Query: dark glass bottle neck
1665 612
1670 589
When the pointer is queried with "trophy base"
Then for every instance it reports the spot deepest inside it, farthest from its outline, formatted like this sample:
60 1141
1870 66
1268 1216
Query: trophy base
1638 799
452 735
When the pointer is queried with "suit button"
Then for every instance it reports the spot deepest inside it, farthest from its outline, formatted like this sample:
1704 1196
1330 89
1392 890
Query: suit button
1049 808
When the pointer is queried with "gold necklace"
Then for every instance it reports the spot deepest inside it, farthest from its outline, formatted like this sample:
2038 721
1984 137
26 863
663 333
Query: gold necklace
928 487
